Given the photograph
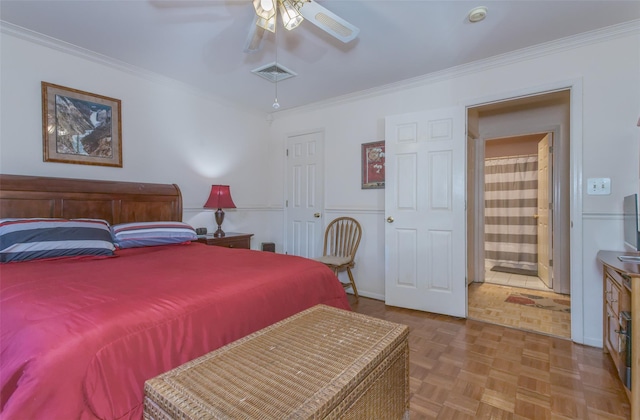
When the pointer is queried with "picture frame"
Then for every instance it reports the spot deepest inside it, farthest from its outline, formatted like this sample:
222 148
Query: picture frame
373 165
80 127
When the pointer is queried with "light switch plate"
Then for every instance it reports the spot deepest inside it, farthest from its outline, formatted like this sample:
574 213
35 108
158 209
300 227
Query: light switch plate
599 186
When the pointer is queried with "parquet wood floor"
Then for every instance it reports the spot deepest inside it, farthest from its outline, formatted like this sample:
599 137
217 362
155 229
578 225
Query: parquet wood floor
466 369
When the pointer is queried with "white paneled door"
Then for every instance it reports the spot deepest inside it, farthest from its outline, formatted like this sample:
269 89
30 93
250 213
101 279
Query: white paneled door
305 194
425 211
544 225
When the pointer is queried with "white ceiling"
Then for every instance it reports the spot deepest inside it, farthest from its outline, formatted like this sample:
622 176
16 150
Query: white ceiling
201 42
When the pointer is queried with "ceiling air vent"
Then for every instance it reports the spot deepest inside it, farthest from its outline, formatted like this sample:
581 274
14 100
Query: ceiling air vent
274 72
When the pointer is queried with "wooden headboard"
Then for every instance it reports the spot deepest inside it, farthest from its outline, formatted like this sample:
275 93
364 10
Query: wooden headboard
113 201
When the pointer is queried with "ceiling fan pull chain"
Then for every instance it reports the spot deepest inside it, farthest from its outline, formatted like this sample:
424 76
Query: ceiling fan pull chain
276 105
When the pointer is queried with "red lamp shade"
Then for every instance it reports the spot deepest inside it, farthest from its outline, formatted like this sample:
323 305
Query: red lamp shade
219 198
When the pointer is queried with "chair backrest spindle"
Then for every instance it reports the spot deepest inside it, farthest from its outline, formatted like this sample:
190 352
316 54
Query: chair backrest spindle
342 237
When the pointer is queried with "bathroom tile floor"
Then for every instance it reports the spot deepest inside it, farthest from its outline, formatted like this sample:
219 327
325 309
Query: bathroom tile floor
514 280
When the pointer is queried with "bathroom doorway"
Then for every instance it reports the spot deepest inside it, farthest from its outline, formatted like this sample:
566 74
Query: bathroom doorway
516 232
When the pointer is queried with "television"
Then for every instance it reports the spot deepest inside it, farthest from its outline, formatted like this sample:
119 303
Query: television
630 225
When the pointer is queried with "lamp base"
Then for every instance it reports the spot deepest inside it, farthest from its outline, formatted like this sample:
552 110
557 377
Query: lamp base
219 219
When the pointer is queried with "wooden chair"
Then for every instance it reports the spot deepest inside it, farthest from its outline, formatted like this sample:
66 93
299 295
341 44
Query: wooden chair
341 240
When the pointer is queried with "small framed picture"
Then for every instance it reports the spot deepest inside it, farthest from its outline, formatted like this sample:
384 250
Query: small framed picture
373 165
80 127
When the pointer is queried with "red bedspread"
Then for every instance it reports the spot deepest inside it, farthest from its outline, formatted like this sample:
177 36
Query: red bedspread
80 336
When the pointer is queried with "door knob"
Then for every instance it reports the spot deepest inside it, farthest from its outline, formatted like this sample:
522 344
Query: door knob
316 215
389 219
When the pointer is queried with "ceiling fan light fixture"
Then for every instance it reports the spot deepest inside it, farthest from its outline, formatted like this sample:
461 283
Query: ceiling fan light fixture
265 9
268 24
290 12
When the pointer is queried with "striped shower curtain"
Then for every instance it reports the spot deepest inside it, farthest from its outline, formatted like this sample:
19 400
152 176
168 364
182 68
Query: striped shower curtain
511 201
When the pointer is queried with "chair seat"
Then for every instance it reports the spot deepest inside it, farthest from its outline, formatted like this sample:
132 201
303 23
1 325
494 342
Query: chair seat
333 260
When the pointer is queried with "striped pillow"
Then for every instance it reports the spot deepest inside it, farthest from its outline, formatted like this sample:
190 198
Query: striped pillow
30 239
139 234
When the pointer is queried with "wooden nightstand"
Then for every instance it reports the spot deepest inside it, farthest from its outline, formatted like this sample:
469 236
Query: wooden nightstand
230 240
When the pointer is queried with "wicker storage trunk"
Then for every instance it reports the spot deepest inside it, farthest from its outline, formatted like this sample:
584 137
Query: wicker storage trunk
321 363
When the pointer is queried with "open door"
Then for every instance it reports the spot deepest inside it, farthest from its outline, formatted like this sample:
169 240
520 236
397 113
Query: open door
544 211
425 211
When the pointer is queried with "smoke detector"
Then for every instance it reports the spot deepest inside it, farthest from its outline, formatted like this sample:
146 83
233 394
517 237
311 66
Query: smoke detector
477 14
274 72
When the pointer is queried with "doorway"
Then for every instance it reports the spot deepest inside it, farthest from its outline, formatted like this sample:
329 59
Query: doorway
516 202
505 261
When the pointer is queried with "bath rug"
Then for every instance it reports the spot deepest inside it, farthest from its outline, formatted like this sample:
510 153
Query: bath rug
562 305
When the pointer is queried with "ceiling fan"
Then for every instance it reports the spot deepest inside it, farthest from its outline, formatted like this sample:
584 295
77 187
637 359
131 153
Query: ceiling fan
292 13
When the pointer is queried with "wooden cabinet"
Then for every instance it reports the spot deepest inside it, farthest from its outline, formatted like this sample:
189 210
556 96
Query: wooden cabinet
617 300
230 240
621 306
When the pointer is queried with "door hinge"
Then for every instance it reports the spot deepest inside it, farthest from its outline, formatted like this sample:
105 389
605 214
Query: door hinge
287 152
550 149
550 206
286 203
550 263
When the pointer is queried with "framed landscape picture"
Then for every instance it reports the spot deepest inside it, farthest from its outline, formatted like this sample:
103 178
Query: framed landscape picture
373 165
80 127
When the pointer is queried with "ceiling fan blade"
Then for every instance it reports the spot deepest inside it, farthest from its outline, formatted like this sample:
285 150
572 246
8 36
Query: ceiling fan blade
328 21
254 39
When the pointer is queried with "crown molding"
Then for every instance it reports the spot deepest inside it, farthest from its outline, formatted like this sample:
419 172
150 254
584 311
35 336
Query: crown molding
80 52
559 45
65 47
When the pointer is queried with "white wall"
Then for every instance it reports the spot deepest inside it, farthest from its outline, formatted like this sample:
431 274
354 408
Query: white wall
170 133
609 70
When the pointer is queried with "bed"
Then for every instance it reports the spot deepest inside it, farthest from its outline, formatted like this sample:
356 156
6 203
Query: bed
80 335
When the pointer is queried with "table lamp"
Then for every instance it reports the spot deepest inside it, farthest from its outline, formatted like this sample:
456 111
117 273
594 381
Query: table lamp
219 198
